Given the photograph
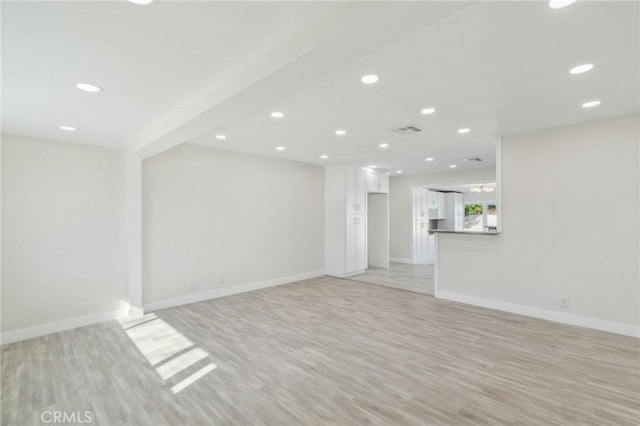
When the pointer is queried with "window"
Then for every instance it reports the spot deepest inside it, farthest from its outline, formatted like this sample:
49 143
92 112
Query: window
480 215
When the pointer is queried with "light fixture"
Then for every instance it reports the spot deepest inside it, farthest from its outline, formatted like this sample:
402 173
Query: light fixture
373 166
277 114
370 79
279 148
464 130
579 69
142 2
559 4
88 87
324 157
590 104
427 111
383 145
399 172
68 128
428 159
452 166
221 137
341 132
482 188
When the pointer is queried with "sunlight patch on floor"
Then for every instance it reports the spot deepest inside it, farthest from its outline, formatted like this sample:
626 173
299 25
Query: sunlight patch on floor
167 349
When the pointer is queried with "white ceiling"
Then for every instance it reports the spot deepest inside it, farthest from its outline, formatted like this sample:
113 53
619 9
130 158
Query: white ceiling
151 61
496 67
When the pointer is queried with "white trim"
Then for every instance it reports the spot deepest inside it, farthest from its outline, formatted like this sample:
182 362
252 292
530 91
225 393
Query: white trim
546 314
401 260
228 291
57 326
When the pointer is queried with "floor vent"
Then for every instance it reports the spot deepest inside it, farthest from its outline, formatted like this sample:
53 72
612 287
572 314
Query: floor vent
407 130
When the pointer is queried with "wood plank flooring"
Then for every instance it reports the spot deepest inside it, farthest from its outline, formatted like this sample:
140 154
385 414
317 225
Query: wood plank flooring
326 351
417 278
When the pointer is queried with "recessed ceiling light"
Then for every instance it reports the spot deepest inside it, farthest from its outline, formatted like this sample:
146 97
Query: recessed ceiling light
559 4
68 128
142 2
87 87
341 132
383 145
464 130
427 111
280 148
277 114
221 137
399 172
324 157
373 166
590 104
428 159
579 69
370 79
452 166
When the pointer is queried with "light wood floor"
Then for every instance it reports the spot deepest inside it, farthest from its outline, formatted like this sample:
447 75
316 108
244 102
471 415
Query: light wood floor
327 351
400 275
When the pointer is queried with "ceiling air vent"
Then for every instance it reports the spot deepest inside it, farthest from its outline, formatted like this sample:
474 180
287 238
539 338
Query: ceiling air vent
407 130
473 159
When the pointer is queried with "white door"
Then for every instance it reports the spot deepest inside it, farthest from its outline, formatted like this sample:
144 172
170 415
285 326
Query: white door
431 248
361 243
422 237
356 244
351 260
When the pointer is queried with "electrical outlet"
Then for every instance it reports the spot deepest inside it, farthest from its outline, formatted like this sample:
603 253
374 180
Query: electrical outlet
192 287
564 302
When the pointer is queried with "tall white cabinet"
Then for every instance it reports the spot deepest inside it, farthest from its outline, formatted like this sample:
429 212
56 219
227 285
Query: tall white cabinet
345 220
454 217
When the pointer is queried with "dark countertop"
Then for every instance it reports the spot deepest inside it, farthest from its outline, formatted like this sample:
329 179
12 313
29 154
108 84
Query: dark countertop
448 231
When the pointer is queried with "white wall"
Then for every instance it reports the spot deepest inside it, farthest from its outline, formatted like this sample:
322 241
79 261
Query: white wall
479 196
378 230
570 203
401 203
219 219
62 232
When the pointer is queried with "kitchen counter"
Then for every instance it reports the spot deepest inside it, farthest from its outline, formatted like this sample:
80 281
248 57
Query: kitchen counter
448 231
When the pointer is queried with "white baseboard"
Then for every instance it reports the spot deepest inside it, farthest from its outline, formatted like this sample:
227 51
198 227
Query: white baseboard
546 314
400 260
228 291
57 326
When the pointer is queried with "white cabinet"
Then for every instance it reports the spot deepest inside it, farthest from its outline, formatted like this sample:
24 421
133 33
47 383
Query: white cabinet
424 244
356 243
377 181
356 187
454 213
421 204
345 204
436 202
